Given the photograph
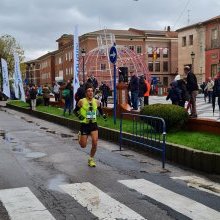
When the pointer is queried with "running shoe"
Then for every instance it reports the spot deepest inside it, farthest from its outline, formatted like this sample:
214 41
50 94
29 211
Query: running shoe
91 162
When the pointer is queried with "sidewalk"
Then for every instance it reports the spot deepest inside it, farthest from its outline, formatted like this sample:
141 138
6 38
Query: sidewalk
204 109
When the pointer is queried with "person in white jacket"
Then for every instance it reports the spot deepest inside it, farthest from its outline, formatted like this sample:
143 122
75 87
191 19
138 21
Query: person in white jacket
209 88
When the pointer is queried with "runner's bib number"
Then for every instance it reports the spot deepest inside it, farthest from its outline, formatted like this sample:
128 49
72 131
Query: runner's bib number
91 115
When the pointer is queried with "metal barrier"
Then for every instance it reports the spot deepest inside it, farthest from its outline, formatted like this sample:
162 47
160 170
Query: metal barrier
147 131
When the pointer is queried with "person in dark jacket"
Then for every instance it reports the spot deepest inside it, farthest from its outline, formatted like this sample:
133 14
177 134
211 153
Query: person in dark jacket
33 97
174 93
216 90
92 80
181 84
80 93
192 88
142 90
105 93
134 88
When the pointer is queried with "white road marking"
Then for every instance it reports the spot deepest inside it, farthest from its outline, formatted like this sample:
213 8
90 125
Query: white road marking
179 203
99 203
201 184
22 204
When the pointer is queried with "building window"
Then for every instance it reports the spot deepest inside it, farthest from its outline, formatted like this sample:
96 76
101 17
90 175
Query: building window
150 51
139 49
157 67
103 66
165 66
190 39
70 56
183 41
157 51
131 47
214 38
60 60
213 70
150 67
165 52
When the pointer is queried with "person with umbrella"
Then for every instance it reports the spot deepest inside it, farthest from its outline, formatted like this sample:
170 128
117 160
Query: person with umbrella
216 93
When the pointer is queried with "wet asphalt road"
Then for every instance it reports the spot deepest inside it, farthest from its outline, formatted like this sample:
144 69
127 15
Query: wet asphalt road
42 155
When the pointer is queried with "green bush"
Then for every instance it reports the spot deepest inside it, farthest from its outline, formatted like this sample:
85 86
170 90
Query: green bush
174 116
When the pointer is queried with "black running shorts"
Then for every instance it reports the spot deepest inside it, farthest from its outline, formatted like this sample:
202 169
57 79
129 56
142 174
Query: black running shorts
86 129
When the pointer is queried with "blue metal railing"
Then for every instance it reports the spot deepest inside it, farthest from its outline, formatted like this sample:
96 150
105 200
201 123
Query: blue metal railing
147 131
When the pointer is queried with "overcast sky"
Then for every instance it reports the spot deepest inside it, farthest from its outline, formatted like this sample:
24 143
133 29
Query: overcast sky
36 24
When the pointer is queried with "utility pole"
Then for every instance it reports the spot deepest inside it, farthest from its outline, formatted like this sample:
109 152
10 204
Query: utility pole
188 20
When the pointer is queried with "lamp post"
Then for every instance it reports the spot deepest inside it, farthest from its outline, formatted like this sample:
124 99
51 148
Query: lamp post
83 54
192 57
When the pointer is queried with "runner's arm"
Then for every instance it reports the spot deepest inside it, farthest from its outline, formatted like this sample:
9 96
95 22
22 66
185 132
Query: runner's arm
101 111
76 110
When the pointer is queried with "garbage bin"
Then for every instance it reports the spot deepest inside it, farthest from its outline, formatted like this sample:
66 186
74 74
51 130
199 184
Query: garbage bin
160 91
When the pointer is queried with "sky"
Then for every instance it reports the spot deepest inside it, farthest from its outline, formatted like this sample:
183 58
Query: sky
37 24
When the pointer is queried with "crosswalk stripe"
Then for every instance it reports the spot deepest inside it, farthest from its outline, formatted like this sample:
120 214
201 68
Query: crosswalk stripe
99 203
202 184
22 204
179 203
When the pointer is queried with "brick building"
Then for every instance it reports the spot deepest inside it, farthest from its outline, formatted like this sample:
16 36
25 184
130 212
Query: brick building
156 49
212 49
203 39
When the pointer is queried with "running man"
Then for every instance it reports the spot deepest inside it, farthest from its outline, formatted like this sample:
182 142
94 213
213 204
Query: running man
86 112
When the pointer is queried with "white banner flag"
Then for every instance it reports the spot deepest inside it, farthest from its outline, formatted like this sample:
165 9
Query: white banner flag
6 86
15 77
75 64
18 79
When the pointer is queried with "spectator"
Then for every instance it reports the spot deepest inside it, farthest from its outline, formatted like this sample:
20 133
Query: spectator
67 97
92 80
105 93
142 90
181 84
209 88
202 86
216 90
56 91
80 93
192 88
174 93
33 97
46 95
39 90
134 88
147 93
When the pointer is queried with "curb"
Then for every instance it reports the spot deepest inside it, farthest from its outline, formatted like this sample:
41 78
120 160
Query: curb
195 159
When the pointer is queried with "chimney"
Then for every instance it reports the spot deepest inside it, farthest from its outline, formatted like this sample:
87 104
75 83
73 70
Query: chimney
168 28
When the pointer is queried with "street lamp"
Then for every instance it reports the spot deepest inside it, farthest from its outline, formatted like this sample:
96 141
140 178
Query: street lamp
192 57
83 54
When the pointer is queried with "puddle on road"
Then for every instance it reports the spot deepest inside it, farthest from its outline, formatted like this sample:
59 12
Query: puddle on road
20 149
2 134
66 135
35 155
52 132
58 180
127 155
43 128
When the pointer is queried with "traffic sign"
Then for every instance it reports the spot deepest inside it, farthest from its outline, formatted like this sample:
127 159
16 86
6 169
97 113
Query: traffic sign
113 54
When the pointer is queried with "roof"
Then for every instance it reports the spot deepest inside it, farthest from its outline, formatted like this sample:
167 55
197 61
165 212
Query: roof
69 36
217 18
134 32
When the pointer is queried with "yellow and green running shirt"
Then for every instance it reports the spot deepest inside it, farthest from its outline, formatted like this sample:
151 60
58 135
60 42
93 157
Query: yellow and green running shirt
88 110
